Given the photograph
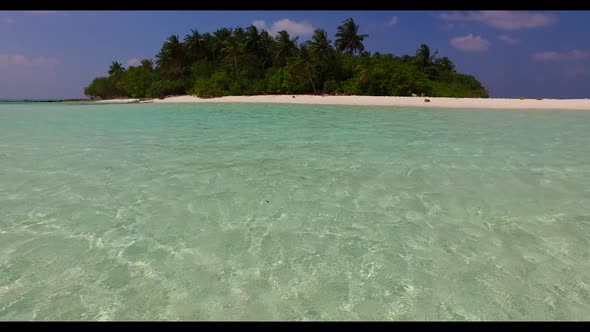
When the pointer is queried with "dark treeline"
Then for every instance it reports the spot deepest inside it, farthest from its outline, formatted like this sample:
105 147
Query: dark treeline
251 61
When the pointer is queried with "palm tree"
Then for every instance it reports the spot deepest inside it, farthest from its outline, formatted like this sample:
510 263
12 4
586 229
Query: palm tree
266 45
423 56
233 47
171 58
222 34
147 64
425 60
348 40
252 39
407 59
219 37
319 46
445 64
256 47
285 47
208 43
116 68
322 53
192 43
364 73
240 33
303 63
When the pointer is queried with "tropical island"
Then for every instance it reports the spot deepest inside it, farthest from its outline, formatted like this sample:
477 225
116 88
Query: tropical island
247 62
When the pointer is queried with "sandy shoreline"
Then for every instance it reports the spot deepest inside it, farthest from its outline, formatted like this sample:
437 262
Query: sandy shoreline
437 102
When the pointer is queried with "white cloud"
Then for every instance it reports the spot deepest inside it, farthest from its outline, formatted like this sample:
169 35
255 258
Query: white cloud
21 60
503 19
29 77
294 28
470 43
7 20
509 40
392 21
133 62
260 24
561 56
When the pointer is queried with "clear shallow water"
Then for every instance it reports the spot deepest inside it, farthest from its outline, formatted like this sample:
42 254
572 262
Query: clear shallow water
293 212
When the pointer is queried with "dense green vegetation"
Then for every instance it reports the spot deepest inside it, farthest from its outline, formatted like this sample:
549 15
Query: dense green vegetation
249 61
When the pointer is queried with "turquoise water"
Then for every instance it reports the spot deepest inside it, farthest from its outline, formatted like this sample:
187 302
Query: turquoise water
293 212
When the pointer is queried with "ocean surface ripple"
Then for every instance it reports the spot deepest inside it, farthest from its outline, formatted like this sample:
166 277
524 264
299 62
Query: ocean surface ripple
293 212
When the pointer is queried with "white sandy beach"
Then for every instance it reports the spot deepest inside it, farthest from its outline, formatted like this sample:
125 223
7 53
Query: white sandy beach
490 103
117 101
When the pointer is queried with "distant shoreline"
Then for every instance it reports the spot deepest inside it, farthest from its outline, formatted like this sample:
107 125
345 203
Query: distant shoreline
24 100
429 102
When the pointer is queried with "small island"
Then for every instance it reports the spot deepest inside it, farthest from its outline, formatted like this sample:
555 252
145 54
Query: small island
247 62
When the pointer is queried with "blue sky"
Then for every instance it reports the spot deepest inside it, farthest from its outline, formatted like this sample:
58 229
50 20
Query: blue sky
513 53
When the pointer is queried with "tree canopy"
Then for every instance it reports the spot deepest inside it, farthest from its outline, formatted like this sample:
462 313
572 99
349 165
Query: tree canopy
238 61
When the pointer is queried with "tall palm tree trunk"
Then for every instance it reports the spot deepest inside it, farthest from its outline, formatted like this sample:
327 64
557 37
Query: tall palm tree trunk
311 81
236 66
